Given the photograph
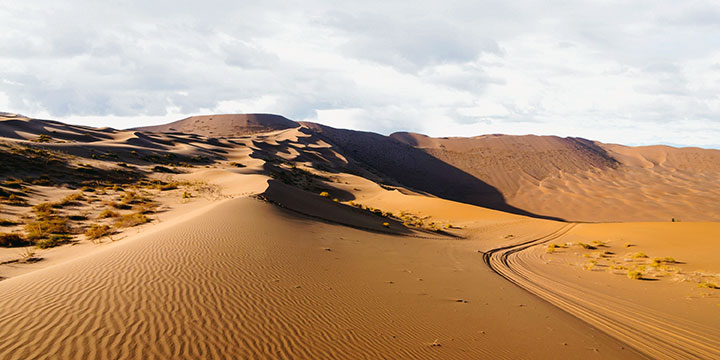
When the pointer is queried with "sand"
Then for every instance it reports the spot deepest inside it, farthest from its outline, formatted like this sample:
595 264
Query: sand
255 263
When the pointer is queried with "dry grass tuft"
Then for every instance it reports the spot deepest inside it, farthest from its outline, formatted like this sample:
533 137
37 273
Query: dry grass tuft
131 220
13 240
97 231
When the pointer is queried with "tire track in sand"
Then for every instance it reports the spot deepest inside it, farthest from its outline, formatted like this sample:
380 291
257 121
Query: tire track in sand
655 334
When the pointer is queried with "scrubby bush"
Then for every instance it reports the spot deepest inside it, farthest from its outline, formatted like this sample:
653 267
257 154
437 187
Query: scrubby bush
107 213
13 240
8 222
54 240
325 194
131 220
97 231
42 228
635 274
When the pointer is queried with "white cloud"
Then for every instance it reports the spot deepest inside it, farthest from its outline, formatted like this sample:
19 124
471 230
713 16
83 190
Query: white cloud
639 72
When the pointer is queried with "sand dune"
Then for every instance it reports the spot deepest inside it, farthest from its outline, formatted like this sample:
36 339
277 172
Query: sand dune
225 125
581 180
245 279
274 239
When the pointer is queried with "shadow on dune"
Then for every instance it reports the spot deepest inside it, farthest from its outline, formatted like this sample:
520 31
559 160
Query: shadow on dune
416 169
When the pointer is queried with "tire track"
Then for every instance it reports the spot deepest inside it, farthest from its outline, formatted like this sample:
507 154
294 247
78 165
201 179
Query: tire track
655 334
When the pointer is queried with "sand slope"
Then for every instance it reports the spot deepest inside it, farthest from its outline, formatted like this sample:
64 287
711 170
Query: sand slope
581 180
246 280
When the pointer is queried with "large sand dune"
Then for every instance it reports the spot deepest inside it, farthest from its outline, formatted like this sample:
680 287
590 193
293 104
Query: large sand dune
269 239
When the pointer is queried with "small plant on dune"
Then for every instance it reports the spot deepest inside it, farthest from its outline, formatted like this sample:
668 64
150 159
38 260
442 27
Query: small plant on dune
43 209
640 255
325 194
237 164
70 199
13 183
599 243
708 285
167 186
131 220
54 240
15 200
43 228
336 200
186 195
585 246
43 139
385 224
8 222
13 240
97 231
635 274
107 213
162 169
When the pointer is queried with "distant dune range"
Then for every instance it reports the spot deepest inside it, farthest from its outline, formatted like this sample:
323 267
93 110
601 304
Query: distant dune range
544 176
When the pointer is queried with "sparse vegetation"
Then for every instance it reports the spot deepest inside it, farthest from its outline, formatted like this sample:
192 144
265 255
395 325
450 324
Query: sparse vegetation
53 240
97 231
8 222
43 228
325 194
13 240
635 274
585 246
131 220
639 255
237 164
108 213
708 285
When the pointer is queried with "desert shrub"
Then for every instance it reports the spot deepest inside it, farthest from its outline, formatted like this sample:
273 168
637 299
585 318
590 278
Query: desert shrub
13 240
586 246
13 183
107 213
186 195
387 225
162 169
43 209
708 285
15 200
43 139
325 194
44 227
635 274
132 197
8 222
53 241
131 220
167 186
237 164
97 231
640 255
70 199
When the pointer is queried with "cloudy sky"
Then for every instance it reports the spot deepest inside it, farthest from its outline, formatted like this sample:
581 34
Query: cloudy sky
631 72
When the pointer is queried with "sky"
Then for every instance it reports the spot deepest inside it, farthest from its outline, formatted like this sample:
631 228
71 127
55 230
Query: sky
631 72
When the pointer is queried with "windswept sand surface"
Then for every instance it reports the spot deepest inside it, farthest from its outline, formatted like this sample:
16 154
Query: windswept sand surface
295 240
582 180
247 280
